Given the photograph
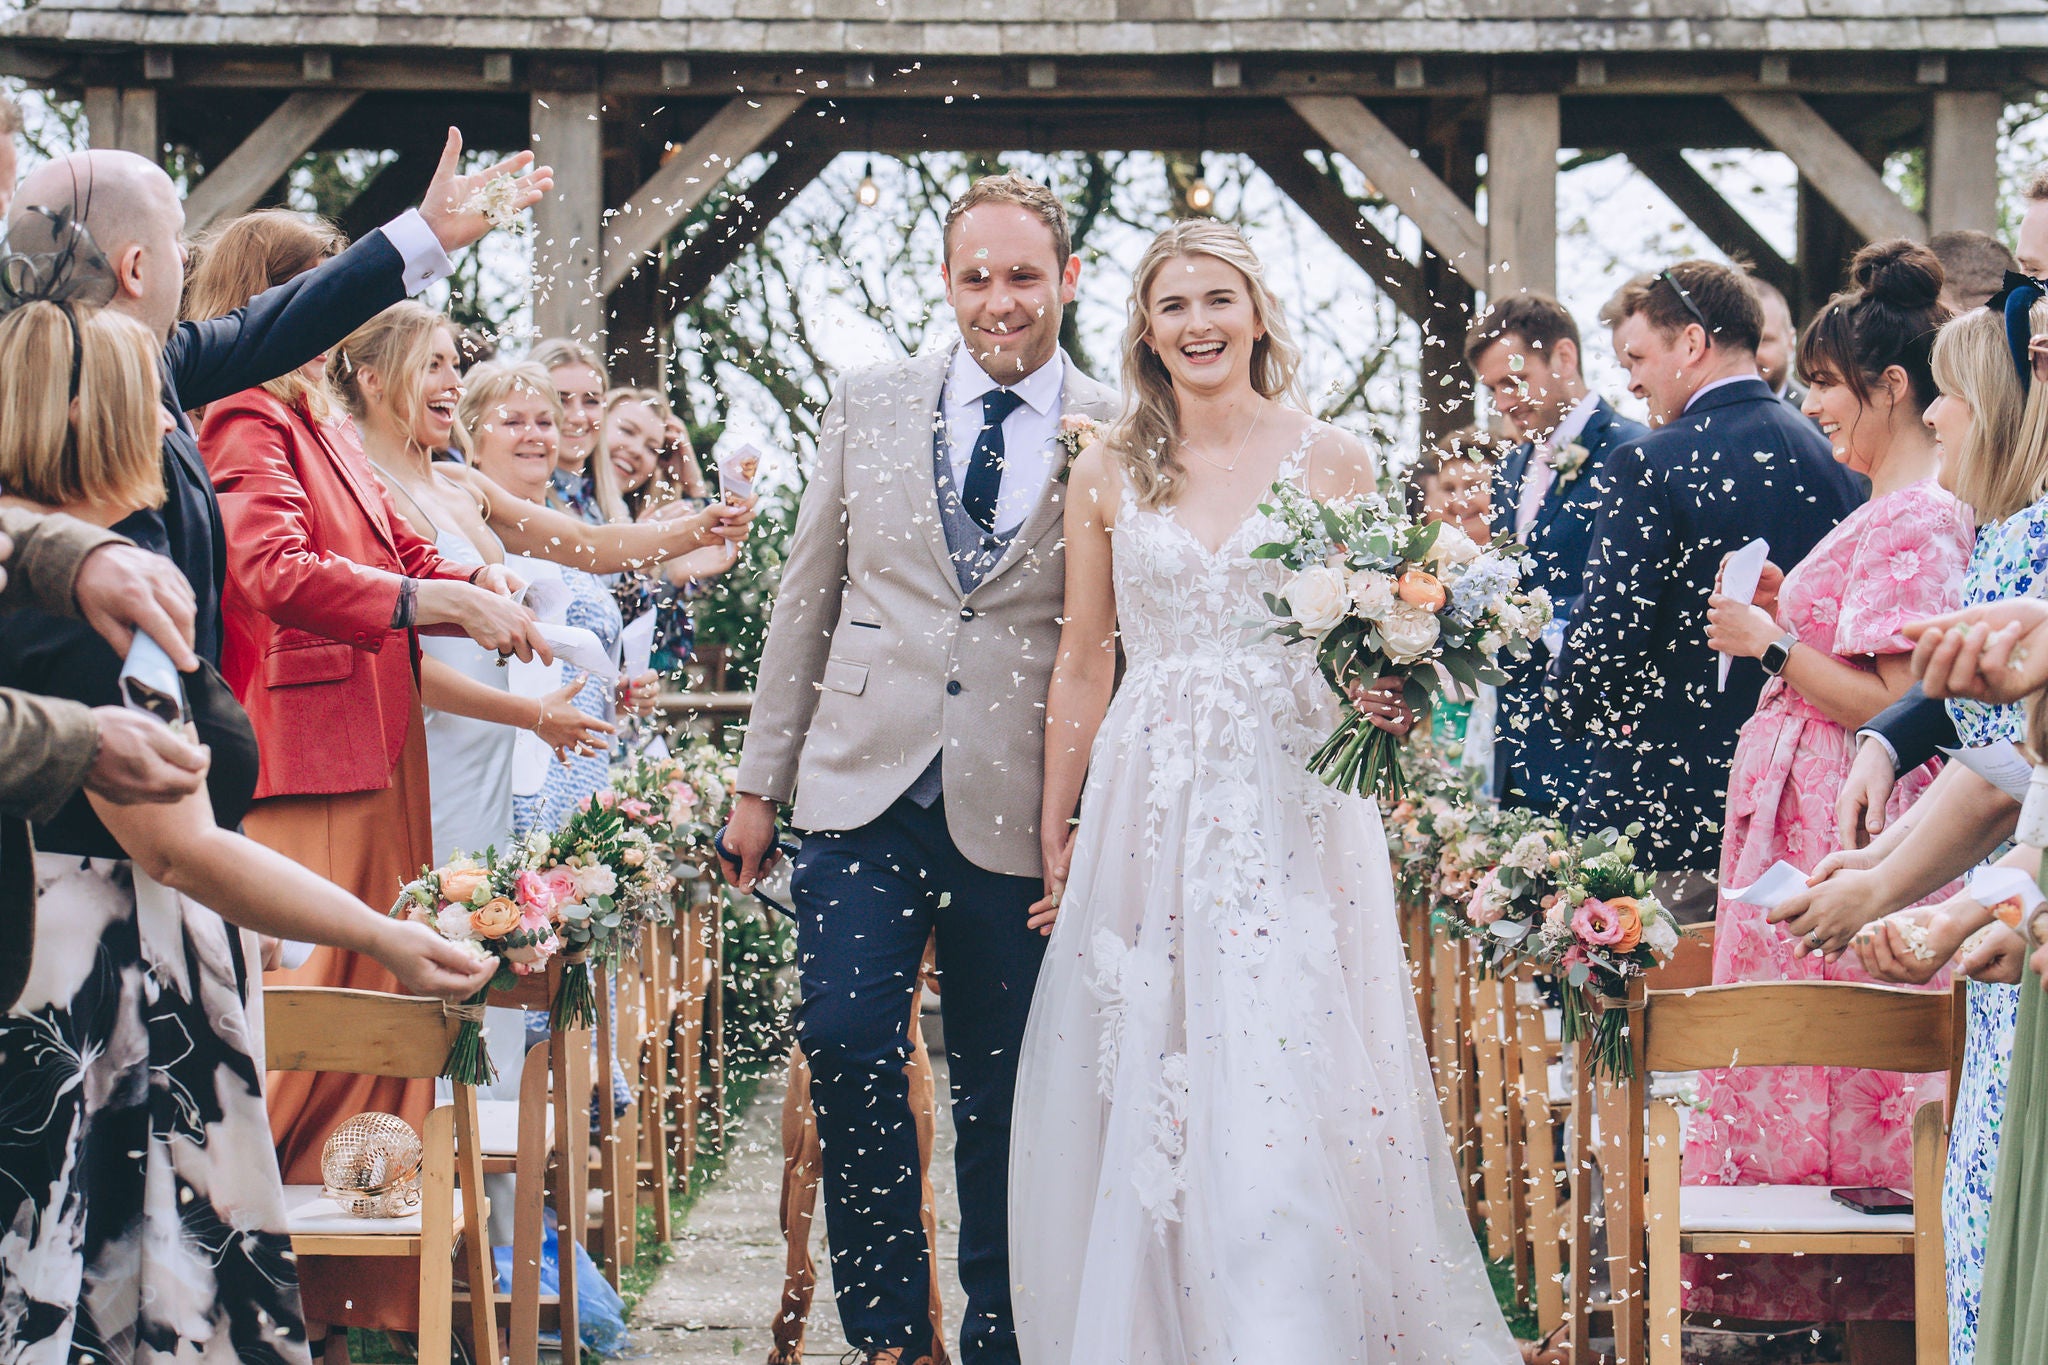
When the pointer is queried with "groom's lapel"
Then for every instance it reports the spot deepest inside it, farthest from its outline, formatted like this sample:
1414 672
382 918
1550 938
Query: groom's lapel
913 432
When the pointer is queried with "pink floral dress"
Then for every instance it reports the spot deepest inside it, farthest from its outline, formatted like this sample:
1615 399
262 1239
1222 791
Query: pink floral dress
1896 559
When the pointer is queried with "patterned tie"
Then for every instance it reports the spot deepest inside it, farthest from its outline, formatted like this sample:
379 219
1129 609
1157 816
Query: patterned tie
984 482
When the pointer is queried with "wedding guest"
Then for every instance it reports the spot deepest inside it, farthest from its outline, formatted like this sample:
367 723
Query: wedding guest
141 1176
10 150
584 482
510 414
1974 266
1777 342
131 208
1525 351
326 591
1835 649
1451 480
1729 462
398 377
1994 447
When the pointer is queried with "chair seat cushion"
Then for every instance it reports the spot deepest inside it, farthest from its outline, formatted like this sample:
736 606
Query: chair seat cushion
497 1126
1777 1208
309 1213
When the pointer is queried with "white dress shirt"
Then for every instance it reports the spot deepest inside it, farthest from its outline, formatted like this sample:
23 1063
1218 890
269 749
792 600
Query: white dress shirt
1028 432
420 249
1538 475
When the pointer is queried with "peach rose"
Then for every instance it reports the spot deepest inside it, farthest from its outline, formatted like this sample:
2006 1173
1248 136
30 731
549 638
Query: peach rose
461 881
1420 588
497 918
1631 922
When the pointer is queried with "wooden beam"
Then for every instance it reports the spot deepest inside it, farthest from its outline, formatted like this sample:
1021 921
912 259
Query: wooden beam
696 168
1962 160
394 189
1447 222
123 118
1521 194
568 225
1699 201
1826 158
1339 217
267 153
739 224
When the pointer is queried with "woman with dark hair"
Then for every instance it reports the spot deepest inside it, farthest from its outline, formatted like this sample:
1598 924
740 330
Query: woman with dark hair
1831 636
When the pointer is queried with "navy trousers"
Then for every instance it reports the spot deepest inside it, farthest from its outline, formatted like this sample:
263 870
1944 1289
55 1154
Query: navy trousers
866 902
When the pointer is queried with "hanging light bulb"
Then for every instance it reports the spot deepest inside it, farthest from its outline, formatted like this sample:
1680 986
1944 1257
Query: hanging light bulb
868 194
1200 197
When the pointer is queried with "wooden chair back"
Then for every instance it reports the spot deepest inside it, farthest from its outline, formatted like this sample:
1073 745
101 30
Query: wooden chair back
1798 1023
361 1033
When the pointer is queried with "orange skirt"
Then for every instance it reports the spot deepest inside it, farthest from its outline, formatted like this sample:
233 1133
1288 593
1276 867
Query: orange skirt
369 844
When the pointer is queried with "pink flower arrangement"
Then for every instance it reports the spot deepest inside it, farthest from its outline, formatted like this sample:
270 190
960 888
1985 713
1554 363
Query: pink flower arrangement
1596 921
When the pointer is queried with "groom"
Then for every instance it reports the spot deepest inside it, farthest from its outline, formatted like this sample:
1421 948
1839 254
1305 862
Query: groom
902 703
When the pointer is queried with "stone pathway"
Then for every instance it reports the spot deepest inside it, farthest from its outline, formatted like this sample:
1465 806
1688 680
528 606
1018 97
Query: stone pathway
715 1300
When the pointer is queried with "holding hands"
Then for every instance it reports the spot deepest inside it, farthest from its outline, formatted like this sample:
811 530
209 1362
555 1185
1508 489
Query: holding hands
1997 652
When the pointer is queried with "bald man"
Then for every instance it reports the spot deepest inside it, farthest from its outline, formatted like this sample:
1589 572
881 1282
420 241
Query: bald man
132 210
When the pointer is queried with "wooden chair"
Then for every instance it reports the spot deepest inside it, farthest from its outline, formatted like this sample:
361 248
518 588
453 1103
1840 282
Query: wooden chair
657 1080
615 1157
1804 1023
1497 1081
362 1033
1542 1106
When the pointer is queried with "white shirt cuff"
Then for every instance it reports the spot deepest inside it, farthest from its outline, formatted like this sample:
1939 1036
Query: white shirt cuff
425 262
1886 744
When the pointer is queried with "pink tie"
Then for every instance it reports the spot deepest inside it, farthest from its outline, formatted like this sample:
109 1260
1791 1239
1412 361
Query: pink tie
1536 481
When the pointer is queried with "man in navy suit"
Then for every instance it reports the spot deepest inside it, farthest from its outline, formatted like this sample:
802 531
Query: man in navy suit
1525 350
132 211
1728 464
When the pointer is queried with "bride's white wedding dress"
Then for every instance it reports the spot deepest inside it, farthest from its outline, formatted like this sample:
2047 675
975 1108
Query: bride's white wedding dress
1227 1142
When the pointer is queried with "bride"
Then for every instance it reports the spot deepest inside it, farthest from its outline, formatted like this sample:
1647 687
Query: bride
1227 1145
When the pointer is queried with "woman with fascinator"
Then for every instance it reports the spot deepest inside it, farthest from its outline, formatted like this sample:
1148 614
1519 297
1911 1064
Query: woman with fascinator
141 1212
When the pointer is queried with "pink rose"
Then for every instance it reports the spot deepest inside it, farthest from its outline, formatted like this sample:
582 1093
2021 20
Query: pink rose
533 892
535 921
561 885
1597 922
635 809
679 793
1489 903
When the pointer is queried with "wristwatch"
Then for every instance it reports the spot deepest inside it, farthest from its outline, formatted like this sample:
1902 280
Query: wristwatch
1777 652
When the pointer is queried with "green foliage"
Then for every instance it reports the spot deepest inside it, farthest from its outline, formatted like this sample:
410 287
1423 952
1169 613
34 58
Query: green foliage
760 985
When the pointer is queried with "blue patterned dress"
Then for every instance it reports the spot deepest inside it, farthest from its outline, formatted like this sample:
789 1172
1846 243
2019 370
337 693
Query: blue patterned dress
591 607
2010 560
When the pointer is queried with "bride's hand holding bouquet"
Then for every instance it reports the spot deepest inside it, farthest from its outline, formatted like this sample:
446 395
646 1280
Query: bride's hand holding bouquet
1388 601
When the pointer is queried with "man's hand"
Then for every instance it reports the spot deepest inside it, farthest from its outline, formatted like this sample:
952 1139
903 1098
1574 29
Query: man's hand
141 761
1859 807
750 839
1994 653
121 589
446 207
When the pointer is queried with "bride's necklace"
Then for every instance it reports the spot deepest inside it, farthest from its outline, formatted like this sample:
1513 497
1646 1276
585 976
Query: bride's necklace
1188 446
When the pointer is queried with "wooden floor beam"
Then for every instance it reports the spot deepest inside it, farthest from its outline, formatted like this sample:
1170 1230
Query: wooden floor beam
740 127
1344 222
1447 222
1835 168
1696 198
266 154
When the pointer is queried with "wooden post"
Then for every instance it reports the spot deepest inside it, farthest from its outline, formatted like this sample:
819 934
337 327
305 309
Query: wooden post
123 118
1962 161
1522 134
567 225
1825 244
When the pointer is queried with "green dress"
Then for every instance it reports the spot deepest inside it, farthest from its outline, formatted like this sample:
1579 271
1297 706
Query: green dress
2012 1328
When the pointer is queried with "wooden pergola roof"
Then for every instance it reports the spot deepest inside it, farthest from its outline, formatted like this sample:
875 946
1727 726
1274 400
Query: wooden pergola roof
645 107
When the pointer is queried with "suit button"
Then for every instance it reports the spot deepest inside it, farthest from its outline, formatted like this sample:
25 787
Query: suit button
953 688
967 613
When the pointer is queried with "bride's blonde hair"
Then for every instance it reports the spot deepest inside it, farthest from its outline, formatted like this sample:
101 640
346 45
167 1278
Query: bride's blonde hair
1146 438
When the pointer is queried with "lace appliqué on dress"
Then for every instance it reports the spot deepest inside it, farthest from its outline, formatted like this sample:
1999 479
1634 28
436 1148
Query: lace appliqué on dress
1157 1171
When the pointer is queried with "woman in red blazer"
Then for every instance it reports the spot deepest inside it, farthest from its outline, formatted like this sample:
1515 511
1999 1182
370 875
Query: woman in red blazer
326 590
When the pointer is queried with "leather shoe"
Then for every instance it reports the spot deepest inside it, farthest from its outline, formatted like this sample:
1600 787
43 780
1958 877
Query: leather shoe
886 1355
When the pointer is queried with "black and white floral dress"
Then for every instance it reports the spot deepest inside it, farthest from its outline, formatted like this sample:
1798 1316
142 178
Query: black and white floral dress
141 1217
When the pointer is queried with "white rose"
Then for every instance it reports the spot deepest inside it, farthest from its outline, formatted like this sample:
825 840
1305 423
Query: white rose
1317 598
1540 609
1452 546
1661 935
598 880
453 924
1509 616
1409 633
1372 594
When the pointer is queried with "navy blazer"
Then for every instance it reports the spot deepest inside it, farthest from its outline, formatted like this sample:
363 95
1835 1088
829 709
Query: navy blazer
1534 765
1636 674
1916 726
273 334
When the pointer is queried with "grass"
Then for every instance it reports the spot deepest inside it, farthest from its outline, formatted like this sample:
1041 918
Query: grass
1521 1318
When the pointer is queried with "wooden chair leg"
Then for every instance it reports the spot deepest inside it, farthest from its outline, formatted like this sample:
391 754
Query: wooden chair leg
1495 1169
437 1237
714 1023
1930 1253
625 1155
1584 1179
529 1214
570 1059
800 1175
654 1119
1666 1319
688 1030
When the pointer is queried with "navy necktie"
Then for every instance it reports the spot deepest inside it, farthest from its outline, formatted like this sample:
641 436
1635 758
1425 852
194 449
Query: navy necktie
984 481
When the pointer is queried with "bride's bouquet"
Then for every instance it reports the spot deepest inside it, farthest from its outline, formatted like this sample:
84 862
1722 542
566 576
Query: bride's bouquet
1581 909
479 905
1381 595
601 877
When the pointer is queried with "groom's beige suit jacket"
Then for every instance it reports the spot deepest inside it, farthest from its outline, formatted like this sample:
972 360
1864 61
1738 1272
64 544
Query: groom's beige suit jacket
876 660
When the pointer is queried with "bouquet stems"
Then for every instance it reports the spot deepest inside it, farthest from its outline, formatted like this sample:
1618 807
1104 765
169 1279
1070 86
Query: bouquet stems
1612 1057
1360 758
575 1001
469 1061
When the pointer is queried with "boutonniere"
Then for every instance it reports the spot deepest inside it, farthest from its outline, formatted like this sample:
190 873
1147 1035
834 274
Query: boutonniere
1077 433
1570 462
